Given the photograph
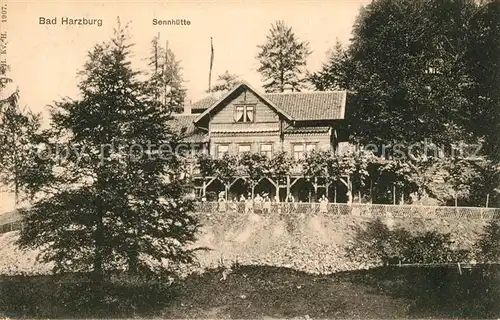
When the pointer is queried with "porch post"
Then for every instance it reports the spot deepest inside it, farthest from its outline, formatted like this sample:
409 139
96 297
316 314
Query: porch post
393 194
287 186
335 193
315 188
327 189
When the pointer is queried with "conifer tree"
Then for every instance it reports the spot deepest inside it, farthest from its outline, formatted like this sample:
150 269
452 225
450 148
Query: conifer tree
115 201
334 72
225 82
282 59
18 131
165 75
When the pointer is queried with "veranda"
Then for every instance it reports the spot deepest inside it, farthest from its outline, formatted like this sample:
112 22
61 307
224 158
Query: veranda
293 188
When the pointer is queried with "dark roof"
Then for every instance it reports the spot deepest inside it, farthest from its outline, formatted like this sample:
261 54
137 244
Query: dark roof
324 105
301 129
204 103
184 123
301 106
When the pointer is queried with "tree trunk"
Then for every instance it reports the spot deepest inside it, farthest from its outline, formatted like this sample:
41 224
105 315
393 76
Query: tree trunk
98 235
133 260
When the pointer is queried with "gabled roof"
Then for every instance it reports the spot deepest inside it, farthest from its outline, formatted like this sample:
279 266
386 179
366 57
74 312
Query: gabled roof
229 94
298 106
316 105
184 124
204 103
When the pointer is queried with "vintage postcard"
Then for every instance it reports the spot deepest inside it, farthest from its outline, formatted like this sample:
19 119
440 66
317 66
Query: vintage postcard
250 159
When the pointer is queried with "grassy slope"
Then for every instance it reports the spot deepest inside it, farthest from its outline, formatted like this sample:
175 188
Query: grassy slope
265 292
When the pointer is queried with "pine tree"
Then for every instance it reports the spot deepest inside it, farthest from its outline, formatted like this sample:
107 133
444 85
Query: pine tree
334 72
18 134
12 97
116 200
225 82
166 76
282 59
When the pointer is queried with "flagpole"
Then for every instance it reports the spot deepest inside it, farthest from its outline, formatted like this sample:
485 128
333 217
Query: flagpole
211 64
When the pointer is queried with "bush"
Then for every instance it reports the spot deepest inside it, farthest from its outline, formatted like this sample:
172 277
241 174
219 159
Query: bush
489 244
432 247
378 244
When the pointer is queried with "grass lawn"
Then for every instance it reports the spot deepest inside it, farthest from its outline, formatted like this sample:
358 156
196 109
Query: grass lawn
264 292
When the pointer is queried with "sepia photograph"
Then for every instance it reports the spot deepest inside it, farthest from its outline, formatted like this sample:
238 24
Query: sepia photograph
323 159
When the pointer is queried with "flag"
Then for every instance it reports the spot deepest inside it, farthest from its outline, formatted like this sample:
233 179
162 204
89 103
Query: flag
211 64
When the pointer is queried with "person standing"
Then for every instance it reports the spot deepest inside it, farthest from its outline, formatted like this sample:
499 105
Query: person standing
267 204
323 204
249 204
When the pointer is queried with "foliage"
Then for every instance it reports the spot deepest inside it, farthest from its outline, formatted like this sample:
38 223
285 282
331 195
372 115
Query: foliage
115 202
482 65
393 72
355 165
402 174
489 243
5 80
280 165
255 166
166 76
333 73
225 82
19 132
224 169
282 59
376 242
469 179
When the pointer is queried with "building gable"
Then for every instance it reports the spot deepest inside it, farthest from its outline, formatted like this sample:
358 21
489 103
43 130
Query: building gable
242 90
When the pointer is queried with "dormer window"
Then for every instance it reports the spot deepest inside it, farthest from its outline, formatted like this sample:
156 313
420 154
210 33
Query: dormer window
244 113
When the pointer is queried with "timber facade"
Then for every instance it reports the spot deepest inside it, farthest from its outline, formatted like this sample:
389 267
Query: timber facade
245 120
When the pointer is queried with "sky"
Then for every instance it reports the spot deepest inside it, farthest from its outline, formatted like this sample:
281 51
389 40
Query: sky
44 59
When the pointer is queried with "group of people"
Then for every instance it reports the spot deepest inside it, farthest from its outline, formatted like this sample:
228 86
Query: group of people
260 203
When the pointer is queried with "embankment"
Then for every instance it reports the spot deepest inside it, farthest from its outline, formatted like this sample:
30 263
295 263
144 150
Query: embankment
310 242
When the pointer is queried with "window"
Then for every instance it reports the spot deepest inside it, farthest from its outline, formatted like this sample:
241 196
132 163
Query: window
244 113
298 151
221 149
310 147
244 148
266 149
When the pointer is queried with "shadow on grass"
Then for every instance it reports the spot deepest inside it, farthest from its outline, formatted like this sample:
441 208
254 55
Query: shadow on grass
258 291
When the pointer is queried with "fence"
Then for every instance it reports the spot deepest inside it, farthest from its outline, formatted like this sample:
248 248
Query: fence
12 221
367 210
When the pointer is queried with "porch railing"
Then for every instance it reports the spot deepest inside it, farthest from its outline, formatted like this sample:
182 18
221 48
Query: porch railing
367 210
12 221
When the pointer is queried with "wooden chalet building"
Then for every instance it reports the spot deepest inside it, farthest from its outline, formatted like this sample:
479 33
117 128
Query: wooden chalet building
245 120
